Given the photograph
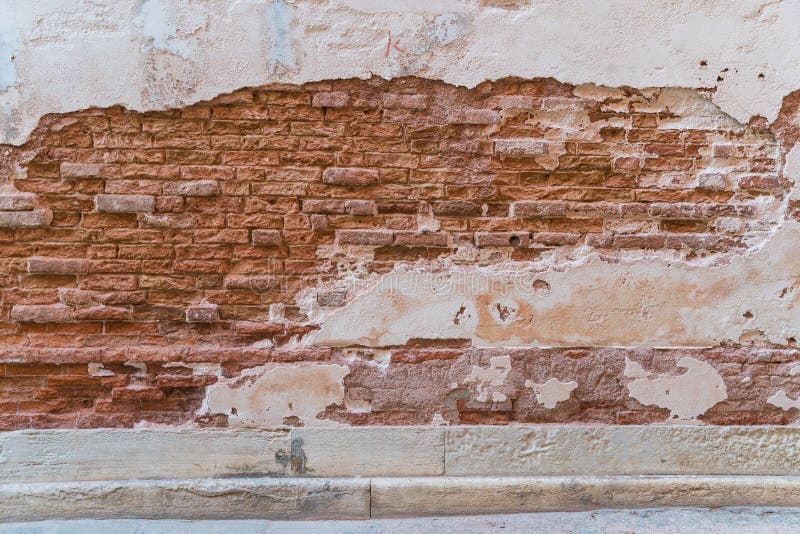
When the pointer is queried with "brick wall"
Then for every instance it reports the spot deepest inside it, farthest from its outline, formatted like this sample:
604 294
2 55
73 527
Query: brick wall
147 255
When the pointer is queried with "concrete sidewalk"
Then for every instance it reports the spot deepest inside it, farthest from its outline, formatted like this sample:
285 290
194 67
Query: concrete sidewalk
658 521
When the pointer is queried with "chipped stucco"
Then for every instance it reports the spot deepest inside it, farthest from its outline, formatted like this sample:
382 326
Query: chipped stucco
552 392
487 380
62 55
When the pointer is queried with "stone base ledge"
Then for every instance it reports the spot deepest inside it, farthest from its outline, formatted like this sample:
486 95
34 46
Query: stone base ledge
388 497
362 472
525 450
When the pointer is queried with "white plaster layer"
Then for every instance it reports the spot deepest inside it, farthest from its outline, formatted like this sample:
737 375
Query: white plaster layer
552 392
266 396
686 396
783 401
596 302
488 379
63 55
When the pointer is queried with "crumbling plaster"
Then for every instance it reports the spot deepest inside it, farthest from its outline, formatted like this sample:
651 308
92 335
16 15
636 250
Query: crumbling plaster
62 55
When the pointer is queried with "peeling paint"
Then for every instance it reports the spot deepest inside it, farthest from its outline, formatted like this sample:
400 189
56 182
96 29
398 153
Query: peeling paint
686 396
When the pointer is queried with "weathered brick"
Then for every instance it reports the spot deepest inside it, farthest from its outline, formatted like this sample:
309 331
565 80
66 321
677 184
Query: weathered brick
267 238
512 102
330 100
404 101
42 313
531 209
55 265
523 146
421 239
364 237
103 313
203 313
332 297
474 116
350 176
712 180
201 188
15 201
759 181
25 219
124 203
329 206
556 239
360 207
80 170
456 208
502 239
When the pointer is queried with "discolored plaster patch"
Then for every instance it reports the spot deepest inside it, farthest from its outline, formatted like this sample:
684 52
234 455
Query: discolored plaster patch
552 392
592 301
274 395
686 396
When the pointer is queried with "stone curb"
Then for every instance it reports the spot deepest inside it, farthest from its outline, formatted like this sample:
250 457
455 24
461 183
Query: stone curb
384 497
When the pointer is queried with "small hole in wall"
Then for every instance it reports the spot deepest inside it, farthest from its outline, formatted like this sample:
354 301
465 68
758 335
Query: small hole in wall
748 314
703 63
514 241
720 79
761 75
540 286
791 340
233 411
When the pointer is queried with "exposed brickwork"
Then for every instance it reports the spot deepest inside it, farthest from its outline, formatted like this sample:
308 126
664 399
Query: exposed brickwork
418 383
186 235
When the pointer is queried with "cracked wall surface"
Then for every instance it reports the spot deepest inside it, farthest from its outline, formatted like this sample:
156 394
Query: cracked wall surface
436 227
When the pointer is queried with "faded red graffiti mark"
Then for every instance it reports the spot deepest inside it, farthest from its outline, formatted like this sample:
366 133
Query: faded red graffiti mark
393 45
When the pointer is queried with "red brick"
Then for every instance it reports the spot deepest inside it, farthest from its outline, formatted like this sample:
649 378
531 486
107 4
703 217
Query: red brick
124 203
55 265
267 238
364 237
204 313
350 176
25 219
536 209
